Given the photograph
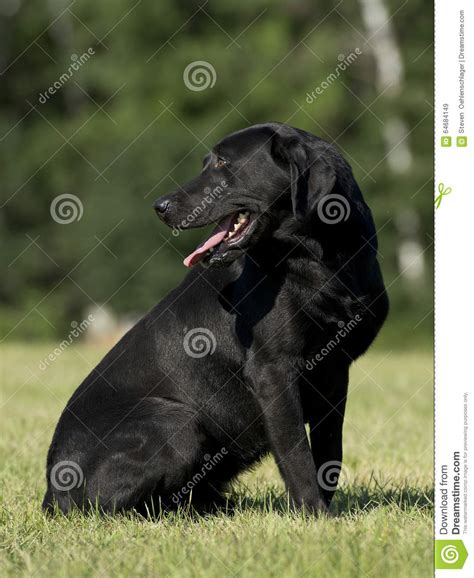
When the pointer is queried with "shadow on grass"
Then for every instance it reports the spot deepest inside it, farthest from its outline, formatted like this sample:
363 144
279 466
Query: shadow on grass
355 499
351 499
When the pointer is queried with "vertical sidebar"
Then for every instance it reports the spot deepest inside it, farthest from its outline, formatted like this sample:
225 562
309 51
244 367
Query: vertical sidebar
454 286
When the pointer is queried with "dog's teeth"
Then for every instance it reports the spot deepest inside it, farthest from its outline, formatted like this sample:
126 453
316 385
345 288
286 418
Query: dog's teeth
240 222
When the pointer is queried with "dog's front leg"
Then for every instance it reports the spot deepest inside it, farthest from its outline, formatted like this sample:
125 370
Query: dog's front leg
278 396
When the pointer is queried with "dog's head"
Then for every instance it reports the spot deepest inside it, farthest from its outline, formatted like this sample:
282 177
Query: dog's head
252 183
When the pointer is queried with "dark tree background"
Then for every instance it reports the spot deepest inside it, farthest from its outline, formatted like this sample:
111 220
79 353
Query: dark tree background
125 128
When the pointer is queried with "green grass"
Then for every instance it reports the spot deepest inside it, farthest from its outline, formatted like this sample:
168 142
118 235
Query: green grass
383 512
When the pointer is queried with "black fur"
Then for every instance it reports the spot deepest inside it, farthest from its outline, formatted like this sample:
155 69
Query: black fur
150 419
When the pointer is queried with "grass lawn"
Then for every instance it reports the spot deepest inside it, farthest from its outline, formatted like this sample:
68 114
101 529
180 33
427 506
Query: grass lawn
383 511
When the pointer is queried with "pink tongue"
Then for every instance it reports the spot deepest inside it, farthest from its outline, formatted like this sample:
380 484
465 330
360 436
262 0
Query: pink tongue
215 238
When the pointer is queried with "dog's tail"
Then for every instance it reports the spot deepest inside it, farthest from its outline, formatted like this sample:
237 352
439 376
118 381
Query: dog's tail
54 503
48 502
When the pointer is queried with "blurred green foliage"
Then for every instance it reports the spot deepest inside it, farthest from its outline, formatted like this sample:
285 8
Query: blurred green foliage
124 129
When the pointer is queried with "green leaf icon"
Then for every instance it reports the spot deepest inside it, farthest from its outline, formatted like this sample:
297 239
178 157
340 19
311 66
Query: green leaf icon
443 191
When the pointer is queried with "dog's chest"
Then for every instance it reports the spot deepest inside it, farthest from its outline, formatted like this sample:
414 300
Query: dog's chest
273 314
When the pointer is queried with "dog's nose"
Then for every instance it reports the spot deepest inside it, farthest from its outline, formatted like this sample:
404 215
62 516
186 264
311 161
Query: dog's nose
161 206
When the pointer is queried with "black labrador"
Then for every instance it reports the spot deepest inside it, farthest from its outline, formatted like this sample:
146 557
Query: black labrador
235 361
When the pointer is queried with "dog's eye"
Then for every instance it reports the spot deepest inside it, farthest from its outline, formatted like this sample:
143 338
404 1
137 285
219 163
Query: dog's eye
220 163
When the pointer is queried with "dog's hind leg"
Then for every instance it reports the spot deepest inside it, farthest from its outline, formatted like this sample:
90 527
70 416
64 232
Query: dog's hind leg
203 491
151 451
210 497
326 426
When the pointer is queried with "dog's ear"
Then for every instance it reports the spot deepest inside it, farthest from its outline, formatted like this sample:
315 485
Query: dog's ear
311 175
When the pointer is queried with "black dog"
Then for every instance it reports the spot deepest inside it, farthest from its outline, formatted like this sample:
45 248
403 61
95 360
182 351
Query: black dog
234 362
